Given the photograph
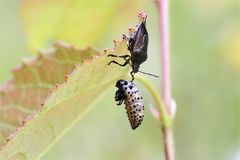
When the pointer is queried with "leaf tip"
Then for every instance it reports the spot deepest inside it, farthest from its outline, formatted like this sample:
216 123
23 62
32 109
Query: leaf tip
61 44
124 37
40 55
75 66
24 64
131 31
28 118
66 78
11 136
115 43
86 61
105 51
57 86
15 69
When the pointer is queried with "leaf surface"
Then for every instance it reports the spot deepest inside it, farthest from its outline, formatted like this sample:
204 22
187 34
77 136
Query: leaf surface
79 77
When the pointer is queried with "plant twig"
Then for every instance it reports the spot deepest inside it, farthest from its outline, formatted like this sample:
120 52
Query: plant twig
163 15
165 51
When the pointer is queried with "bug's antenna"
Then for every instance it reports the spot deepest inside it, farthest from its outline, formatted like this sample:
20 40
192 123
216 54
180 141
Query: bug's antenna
148 74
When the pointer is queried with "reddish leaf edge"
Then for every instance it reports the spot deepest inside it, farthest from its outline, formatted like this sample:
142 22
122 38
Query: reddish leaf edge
54 87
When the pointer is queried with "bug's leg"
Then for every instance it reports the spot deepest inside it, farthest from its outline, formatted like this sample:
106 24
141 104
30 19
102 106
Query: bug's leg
114 62
123 56
132 74
112 55
124 64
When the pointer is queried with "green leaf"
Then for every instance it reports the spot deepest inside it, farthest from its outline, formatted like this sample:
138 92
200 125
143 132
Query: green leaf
23 99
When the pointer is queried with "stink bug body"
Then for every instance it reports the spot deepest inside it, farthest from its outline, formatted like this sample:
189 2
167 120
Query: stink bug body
137 46
129 94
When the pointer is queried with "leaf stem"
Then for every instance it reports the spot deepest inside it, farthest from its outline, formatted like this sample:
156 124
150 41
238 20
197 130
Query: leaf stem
164 117
165 120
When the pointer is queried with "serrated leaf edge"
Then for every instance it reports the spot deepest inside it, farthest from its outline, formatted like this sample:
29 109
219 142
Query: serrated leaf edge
55 87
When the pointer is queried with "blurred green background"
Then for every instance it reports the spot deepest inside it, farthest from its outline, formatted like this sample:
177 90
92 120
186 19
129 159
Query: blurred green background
205 64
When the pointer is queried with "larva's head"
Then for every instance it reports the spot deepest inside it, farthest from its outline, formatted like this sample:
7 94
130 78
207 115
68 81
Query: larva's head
120 83
120 93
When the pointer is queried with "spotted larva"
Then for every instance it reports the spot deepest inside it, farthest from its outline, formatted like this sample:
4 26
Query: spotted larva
129 94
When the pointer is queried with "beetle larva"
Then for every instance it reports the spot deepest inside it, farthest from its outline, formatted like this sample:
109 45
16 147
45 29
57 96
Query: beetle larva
129 94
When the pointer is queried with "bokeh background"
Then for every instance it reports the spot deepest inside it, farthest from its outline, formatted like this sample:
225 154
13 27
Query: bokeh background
205 64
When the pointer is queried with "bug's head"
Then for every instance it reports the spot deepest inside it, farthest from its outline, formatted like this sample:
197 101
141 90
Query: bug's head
135 67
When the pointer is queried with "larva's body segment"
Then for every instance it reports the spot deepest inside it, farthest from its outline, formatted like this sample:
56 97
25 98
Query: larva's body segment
128 92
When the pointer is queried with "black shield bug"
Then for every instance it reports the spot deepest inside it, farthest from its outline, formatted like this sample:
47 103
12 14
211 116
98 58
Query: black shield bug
137 46
129 94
